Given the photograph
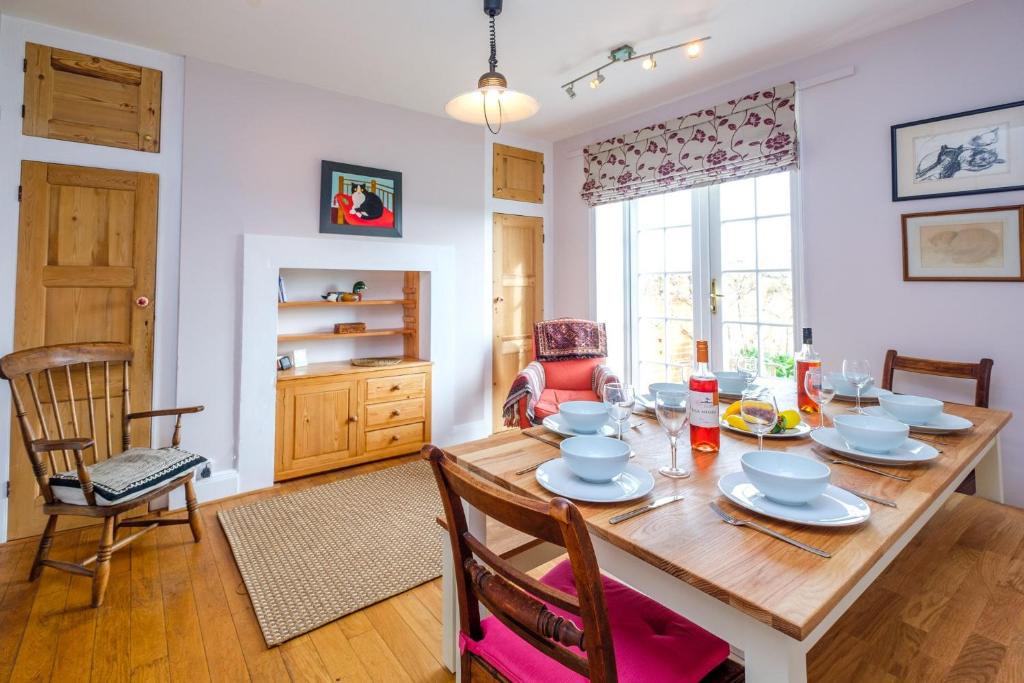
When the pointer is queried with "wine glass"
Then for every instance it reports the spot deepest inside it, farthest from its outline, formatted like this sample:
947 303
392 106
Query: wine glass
761 413
821 389
670 407
858 373
619 400
747 366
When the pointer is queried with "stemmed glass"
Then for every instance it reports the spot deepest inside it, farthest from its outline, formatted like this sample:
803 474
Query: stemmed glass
670 407
747 366
760 411
857 373
821 389
619 400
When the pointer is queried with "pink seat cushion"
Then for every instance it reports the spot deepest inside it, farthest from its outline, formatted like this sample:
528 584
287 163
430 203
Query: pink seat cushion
574 373
652 643
549 399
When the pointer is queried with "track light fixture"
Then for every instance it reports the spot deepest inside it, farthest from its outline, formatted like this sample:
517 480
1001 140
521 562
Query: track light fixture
625 53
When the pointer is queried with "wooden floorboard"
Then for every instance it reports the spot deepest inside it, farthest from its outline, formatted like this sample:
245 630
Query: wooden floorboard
951 607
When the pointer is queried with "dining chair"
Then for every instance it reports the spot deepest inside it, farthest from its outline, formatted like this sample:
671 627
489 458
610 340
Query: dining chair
980 373
69 433
572 624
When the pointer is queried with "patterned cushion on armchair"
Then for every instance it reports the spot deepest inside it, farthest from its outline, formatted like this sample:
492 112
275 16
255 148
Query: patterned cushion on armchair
126 476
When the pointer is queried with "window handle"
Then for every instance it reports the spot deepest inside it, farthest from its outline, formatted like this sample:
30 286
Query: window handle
715 296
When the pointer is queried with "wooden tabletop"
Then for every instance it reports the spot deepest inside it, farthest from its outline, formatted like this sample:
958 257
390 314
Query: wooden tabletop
776 583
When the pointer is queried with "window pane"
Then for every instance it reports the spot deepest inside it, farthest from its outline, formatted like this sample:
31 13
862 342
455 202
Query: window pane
737 199
777 350
773 194
648 374
739 246
650 251
651 295
680 341
679 208
679 250
652 339
774 246
776 297
650 212
680 296
740 301
738 340
678 373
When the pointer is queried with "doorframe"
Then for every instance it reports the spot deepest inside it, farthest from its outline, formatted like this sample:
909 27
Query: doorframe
14 33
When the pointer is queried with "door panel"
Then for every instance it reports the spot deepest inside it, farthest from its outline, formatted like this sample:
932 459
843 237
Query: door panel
318 428
518 297
86 253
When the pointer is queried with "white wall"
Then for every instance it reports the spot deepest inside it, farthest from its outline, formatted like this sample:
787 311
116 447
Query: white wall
252 153
14 147
855 297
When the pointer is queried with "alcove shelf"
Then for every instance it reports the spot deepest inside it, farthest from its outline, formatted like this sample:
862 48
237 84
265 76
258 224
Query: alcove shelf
367 302
348 335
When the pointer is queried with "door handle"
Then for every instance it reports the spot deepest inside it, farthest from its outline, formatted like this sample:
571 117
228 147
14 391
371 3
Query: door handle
499 299
715 296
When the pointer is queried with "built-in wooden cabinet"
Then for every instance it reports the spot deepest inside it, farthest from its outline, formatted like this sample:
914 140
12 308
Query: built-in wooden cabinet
331 415
518 174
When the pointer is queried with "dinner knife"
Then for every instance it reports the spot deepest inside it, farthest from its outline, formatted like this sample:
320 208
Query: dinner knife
654 504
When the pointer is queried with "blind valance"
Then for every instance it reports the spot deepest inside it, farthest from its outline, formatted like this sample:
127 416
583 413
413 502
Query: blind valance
752 135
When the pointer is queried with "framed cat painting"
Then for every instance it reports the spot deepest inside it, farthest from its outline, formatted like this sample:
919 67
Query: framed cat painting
359 200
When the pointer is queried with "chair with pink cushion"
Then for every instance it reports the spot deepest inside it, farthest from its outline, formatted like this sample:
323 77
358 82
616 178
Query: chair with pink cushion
569 365
573 624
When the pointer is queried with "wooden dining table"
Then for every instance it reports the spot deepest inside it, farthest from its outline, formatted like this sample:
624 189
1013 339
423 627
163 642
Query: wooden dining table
770 600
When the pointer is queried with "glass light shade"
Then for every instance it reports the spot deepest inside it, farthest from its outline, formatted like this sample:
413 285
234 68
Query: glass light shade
469 107
694 50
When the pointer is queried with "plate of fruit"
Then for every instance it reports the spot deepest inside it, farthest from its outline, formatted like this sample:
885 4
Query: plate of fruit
787 426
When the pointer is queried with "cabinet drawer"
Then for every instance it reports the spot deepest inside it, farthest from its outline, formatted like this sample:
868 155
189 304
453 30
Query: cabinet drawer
399 387
393 437
393 412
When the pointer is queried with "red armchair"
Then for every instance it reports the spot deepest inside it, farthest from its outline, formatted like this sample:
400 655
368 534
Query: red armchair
570 366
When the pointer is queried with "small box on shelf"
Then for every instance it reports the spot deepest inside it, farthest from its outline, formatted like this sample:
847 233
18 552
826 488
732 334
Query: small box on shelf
349 328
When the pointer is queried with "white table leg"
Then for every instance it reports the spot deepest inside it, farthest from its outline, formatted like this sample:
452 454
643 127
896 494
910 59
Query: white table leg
771 657
988 475
476 523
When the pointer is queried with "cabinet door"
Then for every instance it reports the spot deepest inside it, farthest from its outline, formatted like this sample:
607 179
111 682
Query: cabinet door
518 174
319 426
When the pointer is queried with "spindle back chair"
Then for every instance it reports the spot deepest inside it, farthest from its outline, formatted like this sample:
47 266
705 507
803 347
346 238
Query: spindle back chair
49 385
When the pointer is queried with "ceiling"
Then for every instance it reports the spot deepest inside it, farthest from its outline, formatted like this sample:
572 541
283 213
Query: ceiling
417 54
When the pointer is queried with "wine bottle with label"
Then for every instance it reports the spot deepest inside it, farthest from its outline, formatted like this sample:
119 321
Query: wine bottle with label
807 359
705 434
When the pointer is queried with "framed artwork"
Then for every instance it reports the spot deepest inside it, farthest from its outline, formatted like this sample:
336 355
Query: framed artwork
972 152
359 200
972 244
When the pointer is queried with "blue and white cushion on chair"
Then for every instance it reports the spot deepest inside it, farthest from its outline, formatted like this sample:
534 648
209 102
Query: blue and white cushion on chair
126 476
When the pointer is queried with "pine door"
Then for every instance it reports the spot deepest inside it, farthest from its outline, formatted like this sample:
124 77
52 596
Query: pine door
518 291
86 268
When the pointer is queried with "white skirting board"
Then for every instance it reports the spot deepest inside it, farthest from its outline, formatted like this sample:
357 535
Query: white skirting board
218 485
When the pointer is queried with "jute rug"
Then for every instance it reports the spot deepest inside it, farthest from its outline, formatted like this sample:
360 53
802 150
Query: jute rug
314 556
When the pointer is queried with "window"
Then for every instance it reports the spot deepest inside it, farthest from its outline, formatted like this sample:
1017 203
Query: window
657 257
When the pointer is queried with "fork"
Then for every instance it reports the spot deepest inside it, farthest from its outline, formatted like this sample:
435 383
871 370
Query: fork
729 519
838 461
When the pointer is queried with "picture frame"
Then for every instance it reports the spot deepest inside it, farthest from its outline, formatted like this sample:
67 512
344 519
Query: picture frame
971 152
360 200
964 245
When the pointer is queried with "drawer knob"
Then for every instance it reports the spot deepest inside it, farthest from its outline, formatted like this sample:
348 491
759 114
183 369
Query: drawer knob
353 418
394 437
396 387
395 413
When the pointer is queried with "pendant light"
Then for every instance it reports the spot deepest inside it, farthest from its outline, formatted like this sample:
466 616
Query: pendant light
492 103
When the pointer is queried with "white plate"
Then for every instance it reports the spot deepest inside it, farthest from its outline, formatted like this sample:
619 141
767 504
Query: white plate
912 452
943 424
871 395
557 424
634 482
801 430
835 507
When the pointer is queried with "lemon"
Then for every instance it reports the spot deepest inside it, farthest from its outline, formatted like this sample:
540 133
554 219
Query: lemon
733 409
737 422
790 418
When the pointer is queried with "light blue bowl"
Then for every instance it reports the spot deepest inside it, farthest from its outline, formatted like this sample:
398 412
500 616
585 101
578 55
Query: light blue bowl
871 434
844 387
784 477
915 410
596 459
731 382
674 387
584 417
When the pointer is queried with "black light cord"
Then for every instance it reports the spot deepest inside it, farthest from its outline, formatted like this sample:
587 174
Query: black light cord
493 61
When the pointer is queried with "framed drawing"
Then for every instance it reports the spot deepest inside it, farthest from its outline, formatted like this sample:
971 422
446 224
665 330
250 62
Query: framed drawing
972 152
963 245
359 200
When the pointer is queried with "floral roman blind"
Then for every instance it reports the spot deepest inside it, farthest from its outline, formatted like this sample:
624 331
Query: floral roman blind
751 135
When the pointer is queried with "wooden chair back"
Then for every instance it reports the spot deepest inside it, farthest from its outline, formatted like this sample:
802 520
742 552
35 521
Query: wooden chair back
980 372
515 598
66 391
